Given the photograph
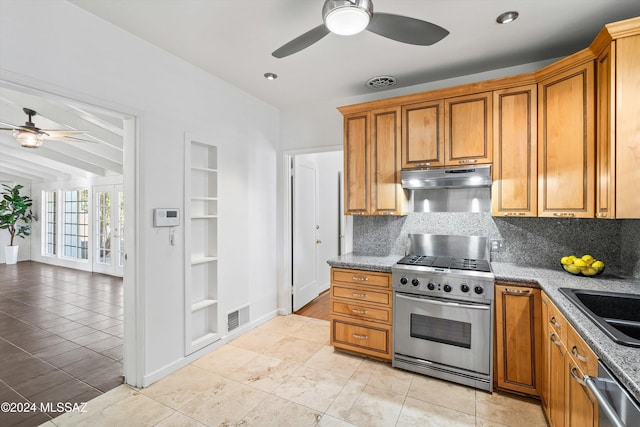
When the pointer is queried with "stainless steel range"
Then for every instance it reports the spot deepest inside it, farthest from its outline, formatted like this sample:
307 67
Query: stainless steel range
443 309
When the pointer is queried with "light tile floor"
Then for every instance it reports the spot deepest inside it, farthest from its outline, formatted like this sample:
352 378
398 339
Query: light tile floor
284 373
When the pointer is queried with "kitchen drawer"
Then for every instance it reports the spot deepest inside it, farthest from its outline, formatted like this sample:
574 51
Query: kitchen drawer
557 322
360 294
374 340
360 277
376 314
584 357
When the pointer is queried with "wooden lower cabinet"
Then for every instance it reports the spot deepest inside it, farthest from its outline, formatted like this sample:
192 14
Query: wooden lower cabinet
518 323
566 400
361 312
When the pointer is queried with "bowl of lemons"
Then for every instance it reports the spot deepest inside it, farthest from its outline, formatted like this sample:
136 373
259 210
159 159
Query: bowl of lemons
586 265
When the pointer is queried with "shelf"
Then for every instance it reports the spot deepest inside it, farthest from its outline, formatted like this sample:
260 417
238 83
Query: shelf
203 304
202 260
204 340
204 216
196 168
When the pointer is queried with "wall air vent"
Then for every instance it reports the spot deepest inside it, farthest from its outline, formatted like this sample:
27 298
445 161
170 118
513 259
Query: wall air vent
237 318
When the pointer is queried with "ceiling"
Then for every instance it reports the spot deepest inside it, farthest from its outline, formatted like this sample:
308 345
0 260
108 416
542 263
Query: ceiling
233 40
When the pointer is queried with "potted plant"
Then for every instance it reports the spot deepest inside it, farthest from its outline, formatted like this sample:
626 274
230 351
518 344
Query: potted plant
14 209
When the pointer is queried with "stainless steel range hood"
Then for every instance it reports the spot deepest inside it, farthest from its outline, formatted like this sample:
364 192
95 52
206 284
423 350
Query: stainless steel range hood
459 177
461 189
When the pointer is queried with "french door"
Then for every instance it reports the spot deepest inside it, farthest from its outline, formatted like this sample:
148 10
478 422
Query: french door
108 257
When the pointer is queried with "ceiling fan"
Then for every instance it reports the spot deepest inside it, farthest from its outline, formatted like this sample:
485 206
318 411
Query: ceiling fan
30 136
348 17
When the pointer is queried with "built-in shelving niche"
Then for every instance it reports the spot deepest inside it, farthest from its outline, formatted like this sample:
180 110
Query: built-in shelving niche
201 244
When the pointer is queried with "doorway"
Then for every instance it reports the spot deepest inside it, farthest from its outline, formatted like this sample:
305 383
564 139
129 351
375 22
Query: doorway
319 229
108 229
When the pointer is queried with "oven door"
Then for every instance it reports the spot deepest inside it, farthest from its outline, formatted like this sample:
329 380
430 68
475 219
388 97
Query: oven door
448 332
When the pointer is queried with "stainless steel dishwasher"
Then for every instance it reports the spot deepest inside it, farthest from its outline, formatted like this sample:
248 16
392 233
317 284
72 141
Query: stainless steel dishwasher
617 407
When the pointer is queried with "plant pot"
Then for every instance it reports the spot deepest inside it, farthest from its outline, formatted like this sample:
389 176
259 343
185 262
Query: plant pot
11 254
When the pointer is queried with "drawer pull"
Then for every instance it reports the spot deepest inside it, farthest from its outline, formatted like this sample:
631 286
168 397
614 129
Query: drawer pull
564 214
360 337
359 311
576 377
468 161
359 295
423 164
601 215
517 291
360 279
574 351
554 323
555 341
515 214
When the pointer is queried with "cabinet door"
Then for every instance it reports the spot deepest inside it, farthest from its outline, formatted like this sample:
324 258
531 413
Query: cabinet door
387 195
557 370
515 145
566 149
356 164
423 135
627 108
469 128
605 138
581 405
545 364
518 338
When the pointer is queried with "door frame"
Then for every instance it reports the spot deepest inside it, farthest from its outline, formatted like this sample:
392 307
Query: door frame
285 262
134 313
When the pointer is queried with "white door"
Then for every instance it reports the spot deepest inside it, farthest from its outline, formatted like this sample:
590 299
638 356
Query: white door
108 257
305 233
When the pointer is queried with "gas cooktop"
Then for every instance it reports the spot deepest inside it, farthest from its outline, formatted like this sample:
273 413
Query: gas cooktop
452 263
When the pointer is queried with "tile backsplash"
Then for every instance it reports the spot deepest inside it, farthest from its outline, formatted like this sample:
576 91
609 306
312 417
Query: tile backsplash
528 241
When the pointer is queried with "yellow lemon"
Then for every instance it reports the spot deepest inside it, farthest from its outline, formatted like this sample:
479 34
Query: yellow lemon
572 269
588 259
597 264
589 271
566 260
579 263
573 257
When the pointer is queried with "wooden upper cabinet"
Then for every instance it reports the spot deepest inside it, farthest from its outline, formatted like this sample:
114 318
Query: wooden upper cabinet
627 126
468 129
372 150
515 152
387 195
356 164
605 138
423 135
566 143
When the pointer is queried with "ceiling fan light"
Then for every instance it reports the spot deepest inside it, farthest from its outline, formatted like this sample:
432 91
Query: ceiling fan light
28 139
347 21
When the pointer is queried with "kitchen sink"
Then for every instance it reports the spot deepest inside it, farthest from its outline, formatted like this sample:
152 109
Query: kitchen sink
617 314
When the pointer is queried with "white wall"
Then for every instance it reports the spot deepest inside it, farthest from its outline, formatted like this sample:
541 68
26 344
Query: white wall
53 45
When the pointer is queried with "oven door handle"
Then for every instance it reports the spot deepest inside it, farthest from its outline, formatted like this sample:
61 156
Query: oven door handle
446 303
604 403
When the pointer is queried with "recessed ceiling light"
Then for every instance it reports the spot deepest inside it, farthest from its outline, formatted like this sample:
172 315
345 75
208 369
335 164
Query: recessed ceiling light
505 18
270 76
381 82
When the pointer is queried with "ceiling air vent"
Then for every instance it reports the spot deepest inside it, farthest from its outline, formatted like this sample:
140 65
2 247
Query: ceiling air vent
381 82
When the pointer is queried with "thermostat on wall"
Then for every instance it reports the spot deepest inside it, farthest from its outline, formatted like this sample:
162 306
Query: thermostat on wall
164 217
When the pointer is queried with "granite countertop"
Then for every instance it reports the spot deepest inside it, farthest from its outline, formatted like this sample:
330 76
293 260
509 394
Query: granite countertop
623 361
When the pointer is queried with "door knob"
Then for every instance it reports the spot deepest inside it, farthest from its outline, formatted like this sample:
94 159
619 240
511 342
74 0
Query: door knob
318 241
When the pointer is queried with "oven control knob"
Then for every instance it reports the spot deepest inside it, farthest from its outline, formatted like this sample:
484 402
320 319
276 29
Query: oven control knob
447 288
403 281
431 286
415 282
464 287
478 290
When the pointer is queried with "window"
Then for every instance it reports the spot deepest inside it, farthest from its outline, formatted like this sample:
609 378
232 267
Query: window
76 224
51 215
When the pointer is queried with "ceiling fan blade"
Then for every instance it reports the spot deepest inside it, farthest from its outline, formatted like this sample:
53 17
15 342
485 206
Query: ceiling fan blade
405 29
11 127
68 139
61 133
302 42
8 128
